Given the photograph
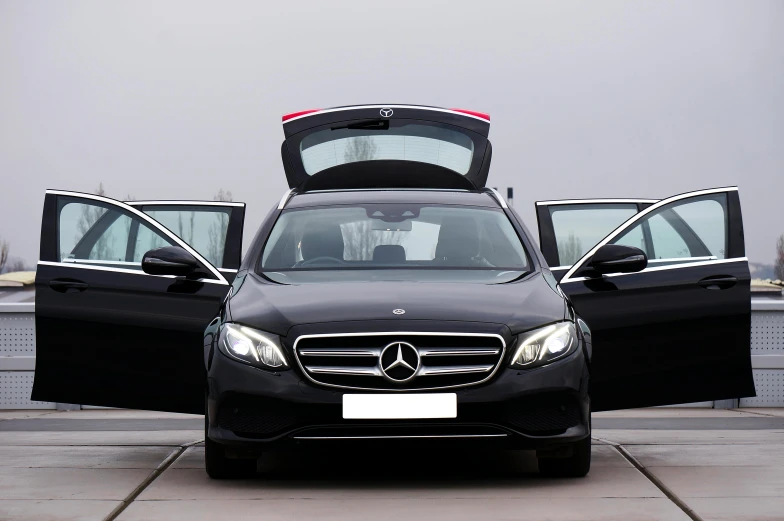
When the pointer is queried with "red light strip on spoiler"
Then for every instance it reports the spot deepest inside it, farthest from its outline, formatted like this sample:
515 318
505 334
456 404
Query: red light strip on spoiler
293 115
473 113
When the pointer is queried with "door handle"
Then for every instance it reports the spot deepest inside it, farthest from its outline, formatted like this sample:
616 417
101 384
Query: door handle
67 285
718 282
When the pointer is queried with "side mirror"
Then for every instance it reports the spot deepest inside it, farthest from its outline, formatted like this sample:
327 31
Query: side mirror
614 258
169 260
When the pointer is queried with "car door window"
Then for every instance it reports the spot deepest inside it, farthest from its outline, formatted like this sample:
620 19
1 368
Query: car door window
693 229
97 233
203 228
578 227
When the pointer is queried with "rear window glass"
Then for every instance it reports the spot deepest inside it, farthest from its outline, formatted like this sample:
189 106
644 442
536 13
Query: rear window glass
408 142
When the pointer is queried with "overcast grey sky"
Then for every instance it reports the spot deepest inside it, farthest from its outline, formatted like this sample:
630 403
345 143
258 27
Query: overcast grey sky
174 100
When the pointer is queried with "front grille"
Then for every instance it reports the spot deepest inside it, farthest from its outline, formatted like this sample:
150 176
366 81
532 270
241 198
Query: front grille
445 360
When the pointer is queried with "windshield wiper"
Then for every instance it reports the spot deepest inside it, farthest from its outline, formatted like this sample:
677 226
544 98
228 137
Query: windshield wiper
372 124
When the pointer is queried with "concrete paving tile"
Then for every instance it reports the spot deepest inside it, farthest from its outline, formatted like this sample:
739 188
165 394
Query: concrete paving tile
406 508
771 411
607 456
17 483
674 412
123 414
192 458
54 510
689 437
92 438
738 508
83 457
13 415
708 455
601 482
718 482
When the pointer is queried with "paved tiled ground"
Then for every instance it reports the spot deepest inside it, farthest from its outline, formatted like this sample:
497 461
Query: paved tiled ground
733 473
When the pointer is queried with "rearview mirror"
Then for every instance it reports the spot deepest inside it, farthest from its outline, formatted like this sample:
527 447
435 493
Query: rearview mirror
169 260
615 258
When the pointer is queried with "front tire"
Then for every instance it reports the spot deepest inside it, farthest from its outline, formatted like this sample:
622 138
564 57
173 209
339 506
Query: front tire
576 465
218 466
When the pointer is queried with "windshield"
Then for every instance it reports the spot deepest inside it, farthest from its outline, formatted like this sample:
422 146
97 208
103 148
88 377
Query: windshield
412 242
376 140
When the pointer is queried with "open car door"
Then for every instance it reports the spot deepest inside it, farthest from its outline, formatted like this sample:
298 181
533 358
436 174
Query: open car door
386 146
107 333
568 228
679 330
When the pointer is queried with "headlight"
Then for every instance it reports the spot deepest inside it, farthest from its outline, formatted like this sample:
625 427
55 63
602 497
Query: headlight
252 346
542 346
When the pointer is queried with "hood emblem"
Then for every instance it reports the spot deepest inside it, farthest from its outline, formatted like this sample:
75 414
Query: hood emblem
386 112
398 311
399 361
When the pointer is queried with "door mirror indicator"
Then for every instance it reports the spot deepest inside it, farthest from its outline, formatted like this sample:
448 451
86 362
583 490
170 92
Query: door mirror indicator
169 260
615 258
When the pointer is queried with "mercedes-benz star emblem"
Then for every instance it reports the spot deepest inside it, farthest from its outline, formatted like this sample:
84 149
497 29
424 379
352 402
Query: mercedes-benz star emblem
399 361
386 113
398 311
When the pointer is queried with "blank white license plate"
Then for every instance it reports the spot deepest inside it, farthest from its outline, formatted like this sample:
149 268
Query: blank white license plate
399 406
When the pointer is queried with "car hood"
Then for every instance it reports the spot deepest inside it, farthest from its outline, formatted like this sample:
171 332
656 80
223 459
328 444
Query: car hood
277 308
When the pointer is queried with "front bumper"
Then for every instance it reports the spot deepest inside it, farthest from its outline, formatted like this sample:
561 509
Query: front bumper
253 409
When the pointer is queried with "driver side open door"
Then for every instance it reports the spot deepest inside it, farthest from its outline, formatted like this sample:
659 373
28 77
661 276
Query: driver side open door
679 330
109 334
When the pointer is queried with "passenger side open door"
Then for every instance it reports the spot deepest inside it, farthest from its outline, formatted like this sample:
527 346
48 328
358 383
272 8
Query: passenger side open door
679 330
107 333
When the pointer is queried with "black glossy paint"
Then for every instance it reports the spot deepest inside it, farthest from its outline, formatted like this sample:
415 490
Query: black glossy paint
133 340
660 338
276 308
118 338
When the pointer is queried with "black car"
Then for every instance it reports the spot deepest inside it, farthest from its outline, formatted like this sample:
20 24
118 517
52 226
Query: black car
391 297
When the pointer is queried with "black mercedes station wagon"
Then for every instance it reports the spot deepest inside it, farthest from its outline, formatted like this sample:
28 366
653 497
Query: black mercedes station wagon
391 297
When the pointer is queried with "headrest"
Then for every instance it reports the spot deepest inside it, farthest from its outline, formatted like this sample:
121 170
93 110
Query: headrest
458 239
389 254
322 240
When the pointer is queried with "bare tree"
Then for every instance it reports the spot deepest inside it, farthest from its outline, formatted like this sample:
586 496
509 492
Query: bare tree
778 266
360 148
4 248
362 239
17 264
570 250
217 230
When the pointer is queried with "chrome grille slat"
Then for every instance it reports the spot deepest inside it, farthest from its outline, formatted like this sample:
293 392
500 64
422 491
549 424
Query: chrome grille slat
451 351
453 369
356 371
352 360
326 351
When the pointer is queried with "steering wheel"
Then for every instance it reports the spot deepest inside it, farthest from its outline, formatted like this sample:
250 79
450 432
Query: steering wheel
323 260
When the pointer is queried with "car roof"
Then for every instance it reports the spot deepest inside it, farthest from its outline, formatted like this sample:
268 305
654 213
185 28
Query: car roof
483 198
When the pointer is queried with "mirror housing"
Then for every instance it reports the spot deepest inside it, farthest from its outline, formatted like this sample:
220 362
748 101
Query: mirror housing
615 258
169 260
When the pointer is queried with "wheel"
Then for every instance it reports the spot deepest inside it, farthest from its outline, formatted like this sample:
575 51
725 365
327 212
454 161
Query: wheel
576 465
218 466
